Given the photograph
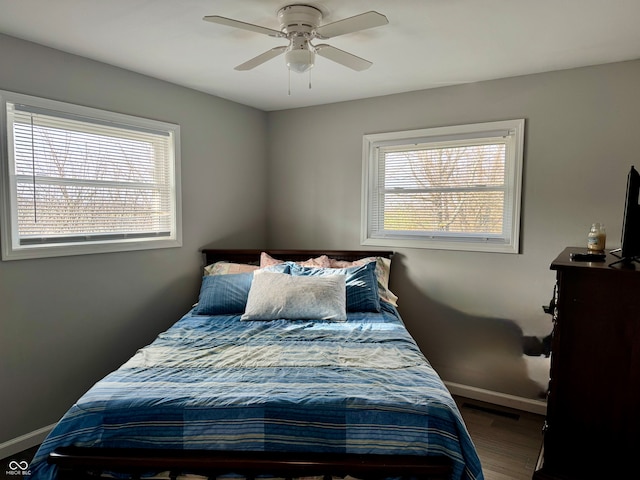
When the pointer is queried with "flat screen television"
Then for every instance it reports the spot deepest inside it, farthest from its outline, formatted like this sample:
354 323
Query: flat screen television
630 248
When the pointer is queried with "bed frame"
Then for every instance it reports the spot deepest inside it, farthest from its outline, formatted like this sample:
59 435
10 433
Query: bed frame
253 256
76 463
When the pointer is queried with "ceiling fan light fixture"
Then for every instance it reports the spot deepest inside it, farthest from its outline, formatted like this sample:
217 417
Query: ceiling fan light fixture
301 24
299 61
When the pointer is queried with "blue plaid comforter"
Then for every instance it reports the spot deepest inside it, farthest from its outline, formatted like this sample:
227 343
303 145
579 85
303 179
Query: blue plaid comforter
216 382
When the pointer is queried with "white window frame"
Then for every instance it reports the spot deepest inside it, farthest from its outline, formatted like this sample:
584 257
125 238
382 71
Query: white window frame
11 246
512 131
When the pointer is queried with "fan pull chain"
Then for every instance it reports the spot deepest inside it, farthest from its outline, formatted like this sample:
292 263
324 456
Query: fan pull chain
289 87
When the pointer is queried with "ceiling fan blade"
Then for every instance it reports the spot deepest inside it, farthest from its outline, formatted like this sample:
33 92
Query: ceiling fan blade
230 22
342 57
352 24
260 59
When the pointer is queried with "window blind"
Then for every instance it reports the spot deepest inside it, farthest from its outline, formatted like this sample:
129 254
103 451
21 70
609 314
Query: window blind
79 179
438 189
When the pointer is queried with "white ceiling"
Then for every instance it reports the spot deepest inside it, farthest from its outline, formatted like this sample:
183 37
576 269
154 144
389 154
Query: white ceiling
427 43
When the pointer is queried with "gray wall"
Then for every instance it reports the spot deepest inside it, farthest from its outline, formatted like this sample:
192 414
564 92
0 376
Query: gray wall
65 322
469 311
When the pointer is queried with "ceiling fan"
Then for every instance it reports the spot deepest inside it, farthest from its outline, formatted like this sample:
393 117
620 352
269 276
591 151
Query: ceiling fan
300 25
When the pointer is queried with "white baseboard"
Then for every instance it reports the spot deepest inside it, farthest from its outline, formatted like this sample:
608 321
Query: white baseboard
498 398
23 442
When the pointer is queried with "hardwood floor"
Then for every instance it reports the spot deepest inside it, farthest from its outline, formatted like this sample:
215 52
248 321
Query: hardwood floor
508 441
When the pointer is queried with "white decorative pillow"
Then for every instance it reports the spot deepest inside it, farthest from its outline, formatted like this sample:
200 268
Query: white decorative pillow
279 295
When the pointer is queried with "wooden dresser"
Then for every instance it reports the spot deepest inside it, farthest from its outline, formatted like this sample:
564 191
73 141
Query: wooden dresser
593 407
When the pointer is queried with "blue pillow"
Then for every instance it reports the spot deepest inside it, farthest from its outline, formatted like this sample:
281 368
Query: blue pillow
227 294
361 284
224 294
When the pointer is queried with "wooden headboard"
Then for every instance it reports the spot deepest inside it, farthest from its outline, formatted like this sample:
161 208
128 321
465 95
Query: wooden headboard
249 256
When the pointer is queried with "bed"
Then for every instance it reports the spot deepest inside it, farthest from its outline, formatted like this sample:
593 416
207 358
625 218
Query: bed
293 364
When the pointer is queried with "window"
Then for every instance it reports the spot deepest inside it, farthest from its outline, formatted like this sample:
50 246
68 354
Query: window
78 180
455 188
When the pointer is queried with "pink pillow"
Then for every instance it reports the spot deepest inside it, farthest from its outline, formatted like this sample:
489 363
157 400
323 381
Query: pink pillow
322 261
226 268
